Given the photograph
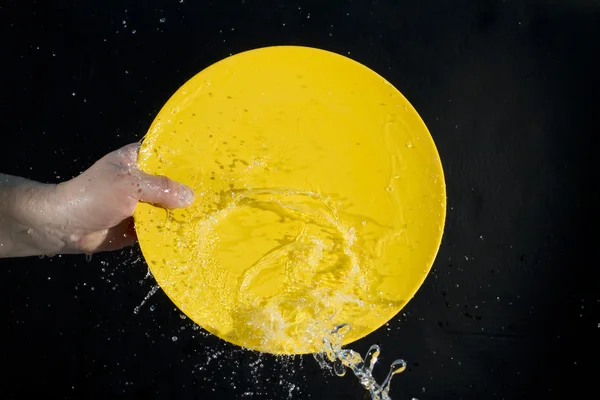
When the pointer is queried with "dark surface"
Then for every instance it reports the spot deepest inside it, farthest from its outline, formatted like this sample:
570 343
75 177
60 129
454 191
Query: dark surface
509 92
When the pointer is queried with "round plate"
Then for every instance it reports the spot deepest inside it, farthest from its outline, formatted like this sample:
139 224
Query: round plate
320 199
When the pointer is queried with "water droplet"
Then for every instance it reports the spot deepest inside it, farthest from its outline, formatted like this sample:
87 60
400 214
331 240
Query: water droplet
339 368
88 257
162 20
150 294
174 338
389 189
409 144
182 316
341 330
371 357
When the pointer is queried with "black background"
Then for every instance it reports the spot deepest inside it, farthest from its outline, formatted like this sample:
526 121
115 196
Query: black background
509 90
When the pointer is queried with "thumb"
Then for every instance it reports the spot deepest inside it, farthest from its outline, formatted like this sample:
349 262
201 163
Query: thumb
162 191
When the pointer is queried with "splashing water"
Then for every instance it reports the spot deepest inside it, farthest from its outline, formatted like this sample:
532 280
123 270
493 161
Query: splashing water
362 368
150 294
316 252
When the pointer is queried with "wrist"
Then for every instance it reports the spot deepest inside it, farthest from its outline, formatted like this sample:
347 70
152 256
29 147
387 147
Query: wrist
32 219
46 218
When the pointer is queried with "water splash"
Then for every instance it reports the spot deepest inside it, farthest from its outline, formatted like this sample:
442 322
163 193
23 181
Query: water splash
304 241
150 294
343 359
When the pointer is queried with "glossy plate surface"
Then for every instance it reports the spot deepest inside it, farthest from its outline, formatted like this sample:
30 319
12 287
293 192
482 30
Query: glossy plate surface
320 199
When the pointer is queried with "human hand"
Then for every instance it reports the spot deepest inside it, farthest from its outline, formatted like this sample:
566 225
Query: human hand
95 209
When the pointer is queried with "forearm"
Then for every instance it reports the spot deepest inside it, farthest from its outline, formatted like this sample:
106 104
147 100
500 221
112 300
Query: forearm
28 216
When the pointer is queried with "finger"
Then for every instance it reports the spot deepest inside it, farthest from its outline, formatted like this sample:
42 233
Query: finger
115 238
162 191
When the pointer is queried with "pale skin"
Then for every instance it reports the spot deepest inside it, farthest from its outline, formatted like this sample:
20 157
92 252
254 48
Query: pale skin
87 214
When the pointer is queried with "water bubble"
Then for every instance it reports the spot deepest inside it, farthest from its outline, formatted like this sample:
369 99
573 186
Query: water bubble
88 257
162 20
174 338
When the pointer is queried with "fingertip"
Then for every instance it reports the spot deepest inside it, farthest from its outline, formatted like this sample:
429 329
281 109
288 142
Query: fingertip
186 196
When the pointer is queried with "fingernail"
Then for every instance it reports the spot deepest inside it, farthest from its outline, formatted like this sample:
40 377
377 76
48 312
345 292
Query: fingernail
186 195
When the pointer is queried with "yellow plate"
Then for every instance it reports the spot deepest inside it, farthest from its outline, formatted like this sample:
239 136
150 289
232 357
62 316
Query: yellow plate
320 199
